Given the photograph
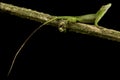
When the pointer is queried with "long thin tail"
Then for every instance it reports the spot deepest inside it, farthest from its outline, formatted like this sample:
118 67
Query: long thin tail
21 47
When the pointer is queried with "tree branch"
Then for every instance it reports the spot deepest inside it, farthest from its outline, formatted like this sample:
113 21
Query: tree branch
101 32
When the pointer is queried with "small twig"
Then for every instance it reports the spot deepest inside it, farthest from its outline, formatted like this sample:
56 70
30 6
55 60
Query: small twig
101 32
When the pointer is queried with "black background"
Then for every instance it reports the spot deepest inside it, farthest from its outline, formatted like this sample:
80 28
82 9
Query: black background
50 54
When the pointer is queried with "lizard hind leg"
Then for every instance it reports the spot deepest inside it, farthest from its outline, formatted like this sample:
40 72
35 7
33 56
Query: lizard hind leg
62 26
66 20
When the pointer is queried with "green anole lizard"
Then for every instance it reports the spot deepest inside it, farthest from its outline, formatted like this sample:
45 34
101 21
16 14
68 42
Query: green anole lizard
89 18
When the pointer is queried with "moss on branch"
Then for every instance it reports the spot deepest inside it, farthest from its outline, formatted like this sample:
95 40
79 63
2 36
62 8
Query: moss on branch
92 30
